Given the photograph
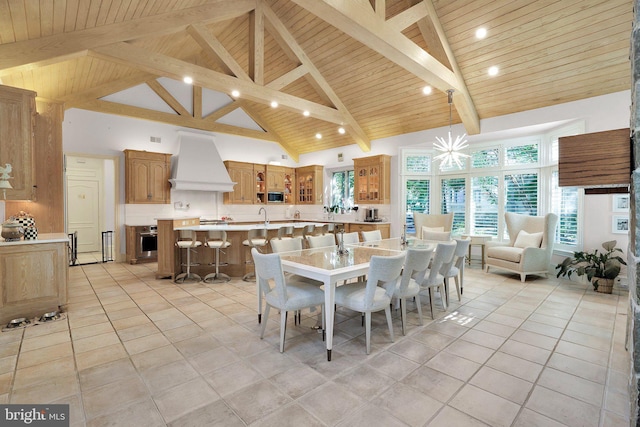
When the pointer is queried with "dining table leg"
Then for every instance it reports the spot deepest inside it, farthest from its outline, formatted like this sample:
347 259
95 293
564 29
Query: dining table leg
259 300
329 312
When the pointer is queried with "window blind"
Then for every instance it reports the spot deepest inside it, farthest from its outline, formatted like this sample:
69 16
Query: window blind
416 200
484 205
453 200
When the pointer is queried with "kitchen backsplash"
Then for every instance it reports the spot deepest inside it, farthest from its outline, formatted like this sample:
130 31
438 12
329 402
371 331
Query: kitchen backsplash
209 205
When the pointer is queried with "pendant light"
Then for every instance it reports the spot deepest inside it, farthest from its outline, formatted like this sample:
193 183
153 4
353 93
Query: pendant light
451 149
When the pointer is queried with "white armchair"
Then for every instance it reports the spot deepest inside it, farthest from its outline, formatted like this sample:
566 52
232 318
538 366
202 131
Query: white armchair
530 245
436 223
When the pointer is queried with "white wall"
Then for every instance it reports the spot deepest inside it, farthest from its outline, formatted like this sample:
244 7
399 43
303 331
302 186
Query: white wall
96 133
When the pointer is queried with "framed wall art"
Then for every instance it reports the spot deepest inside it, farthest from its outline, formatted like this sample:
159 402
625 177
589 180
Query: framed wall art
620 202
620 224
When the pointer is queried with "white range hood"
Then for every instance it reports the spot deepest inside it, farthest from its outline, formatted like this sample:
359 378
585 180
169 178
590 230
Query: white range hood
199 166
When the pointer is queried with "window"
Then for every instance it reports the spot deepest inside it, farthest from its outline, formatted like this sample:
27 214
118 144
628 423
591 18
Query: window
342 189
564 203
484 205
517 175
521 155
521 193
453 200
485 158
416 200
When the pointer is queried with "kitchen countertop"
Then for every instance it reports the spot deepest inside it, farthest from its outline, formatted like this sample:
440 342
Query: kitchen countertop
42 238
247 227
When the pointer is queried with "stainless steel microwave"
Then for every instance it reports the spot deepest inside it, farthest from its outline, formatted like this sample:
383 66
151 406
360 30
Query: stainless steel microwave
275 197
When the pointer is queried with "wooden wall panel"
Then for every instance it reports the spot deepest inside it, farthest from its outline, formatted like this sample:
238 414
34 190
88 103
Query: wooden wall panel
48 208
595 159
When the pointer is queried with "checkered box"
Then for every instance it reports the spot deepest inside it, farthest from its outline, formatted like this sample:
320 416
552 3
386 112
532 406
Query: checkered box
26 221
30 233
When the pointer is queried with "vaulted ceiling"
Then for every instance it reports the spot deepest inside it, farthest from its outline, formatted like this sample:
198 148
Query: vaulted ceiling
359 64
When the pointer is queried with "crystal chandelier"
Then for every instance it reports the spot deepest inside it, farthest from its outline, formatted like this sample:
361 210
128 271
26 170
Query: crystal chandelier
451 150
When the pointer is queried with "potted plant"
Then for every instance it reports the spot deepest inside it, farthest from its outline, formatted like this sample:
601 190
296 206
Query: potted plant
601 268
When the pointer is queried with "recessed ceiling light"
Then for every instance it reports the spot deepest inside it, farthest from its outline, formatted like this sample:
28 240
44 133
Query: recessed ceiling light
235 93
427 90
481 33
341 130
305 113
318 135
188 80
493 71
274 104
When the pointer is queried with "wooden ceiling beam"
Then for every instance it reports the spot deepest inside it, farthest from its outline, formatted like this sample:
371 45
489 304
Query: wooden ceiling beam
362 24
461 97
282 34
174 119
155 63
288 78
163 93
29 54
408 17
256 44
76 99
216 51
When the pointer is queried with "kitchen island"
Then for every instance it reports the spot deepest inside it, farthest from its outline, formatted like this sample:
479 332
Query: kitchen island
33 276
235 256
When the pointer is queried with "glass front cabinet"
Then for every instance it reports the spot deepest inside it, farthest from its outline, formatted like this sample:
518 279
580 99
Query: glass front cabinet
309 185
372 179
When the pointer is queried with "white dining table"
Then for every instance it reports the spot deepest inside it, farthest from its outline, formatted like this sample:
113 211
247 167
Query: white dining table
328 266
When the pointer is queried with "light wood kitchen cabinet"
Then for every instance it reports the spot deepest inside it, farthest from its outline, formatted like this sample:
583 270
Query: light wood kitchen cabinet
309 187
147 177
33 277
289 186
17 122
244 192
385 229
372 179
275 178
260 177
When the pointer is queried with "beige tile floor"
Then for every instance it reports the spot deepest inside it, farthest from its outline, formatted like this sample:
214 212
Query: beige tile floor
133 350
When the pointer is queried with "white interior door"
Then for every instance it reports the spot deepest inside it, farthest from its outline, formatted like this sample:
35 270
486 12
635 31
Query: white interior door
84 202
84 213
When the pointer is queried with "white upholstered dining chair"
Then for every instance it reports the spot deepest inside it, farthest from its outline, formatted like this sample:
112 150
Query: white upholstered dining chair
285 295
367 297
415 266
371 236
433 277
321 241
455 268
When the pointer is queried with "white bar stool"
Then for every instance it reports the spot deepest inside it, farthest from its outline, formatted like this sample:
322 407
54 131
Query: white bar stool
216 240
187 240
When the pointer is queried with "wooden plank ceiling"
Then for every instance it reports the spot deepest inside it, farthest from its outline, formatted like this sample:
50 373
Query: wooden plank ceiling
360 65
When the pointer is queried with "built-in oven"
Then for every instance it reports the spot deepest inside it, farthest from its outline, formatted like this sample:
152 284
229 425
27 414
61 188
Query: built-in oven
147 243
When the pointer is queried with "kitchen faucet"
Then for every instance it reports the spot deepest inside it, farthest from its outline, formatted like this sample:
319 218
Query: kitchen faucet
266 221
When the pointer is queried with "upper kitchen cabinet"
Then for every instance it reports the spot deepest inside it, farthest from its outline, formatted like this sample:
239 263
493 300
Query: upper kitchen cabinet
17 121
289 186
372 178
260 191
309 185
147 177
275 179
244 192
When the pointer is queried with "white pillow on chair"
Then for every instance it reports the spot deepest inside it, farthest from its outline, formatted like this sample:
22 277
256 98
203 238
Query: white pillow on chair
443 236
528 240
426 229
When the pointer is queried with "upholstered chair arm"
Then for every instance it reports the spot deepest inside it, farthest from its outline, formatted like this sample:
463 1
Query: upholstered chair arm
535 259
